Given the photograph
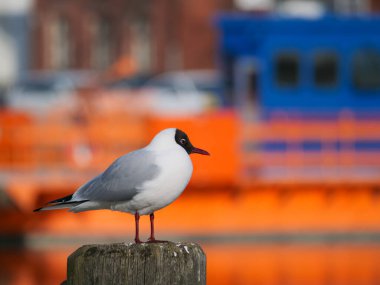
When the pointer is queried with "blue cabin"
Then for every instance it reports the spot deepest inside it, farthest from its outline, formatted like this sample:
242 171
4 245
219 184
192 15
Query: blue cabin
308 94
301 65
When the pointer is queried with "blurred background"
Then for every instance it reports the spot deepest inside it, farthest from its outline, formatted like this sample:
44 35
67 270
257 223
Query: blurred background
285 95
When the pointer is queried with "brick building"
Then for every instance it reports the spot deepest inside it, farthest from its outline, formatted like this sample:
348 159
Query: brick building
92 34
159 35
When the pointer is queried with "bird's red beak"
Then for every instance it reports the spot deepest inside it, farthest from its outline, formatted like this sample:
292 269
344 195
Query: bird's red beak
199 151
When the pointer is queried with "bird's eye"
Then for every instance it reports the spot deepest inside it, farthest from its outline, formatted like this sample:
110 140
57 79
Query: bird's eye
182 141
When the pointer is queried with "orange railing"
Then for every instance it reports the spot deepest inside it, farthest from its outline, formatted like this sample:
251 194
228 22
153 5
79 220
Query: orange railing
28 144
326 134
235 145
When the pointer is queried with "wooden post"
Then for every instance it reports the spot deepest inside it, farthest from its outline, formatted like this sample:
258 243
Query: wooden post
145 263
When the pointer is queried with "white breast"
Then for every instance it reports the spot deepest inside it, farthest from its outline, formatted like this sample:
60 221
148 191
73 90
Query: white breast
175 172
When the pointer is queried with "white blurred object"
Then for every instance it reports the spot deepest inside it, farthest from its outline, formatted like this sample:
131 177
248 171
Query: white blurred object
249 5
301 8
182 92
40 92
9 64
15 7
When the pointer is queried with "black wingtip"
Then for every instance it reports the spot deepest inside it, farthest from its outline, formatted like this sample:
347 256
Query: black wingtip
60 200
36 210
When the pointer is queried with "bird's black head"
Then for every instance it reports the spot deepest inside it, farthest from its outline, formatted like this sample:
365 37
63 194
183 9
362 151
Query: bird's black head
183 140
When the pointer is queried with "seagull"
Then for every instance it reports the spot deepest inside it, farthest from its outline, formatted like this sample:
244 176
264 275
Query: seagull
140 182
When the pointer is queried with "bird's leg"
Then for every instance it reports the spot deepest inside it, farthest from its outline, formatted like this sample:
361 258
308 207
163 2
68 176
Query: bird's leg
152 238
137 219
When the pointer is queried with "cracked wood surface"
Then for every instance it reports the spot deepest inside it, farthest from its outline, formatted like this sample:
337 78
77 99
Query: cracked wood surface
130 263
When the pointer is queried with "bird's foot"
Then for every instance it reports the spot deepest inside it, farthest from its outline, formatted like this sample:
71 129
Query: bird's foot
137 240
153 240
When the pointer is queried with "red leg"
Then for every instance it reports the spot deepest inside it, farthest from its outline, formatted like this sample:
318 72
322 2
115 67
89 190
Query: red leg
151 239
137 219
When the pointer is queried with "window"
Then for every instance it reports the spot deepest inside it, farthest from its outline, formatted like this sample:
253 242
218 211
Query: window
366 70
102 47
287 69
325 69
60 44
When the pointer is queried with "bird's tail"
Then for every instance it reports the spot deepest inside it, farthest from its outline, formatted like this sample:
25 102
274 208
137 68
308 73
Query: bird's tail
61 203
58 206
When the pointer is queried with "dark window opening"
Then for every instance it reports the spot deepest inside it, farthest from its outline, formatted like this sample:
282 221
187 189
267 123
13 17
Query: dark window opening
325 69
252 87
228 80
287 69
366 70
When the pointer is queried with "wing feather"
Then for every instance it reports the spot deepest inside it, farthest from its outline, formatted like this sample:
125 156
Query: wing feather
122 180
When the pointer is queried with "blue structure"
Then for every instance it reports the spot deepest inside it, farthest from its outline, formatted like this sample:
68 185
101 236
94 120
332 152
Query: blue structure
288 64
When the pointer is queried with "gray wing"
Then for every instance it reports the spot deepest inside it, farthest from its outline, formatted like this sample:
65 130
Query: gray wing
121 180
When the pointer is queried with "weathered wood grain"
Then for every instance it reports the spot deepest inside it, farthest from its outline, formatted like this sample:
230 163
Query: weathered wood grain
146 263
